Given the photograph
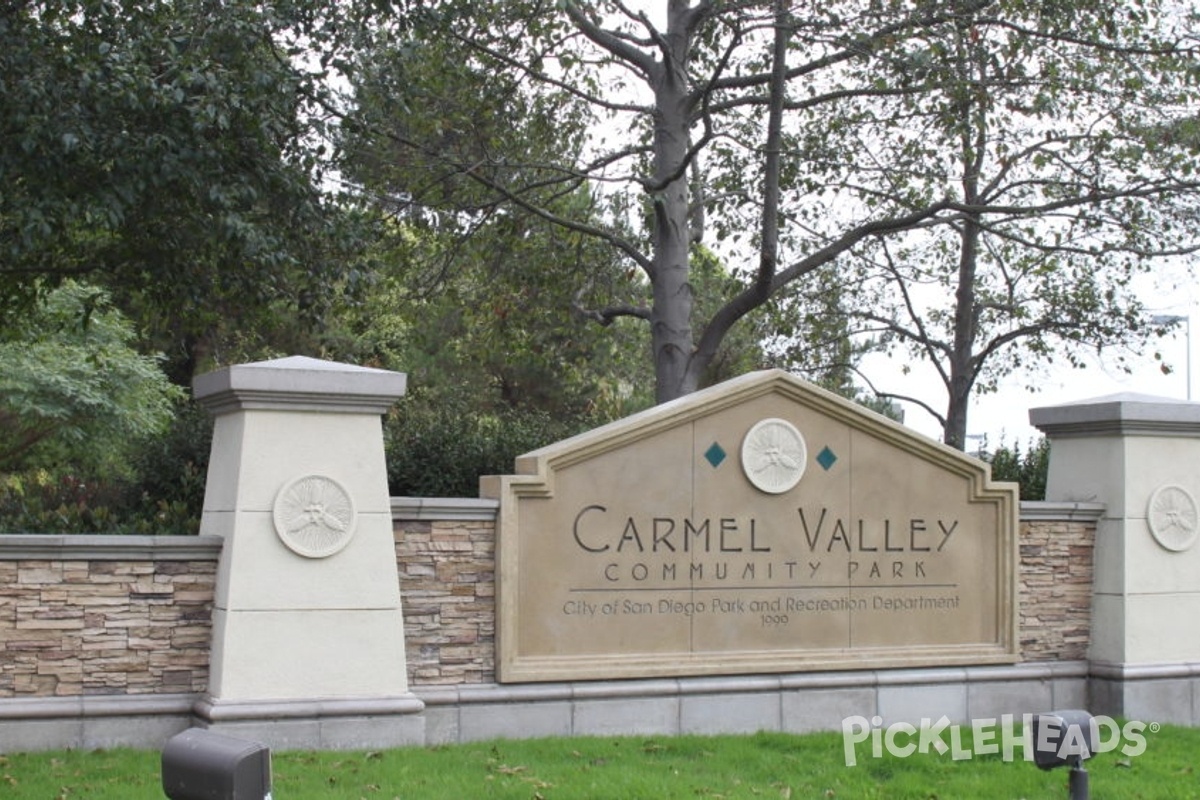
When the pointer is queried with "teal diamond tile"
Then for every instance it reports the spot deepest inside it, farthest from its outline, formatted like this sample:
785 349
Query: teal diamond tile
826 458
715 454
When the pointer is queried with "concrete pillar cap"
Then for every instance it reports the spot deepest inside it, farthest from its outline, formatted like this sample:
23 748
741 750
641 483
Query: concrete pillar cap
299 383
1125 413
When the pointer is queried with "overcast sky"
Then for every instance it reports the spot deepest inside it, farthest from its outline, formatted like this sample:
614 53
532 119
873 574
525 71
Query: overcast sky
1005 414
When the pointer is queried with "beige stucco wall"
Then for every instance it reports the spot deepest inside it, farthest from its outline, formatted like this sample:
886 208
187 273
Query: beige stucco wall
759 526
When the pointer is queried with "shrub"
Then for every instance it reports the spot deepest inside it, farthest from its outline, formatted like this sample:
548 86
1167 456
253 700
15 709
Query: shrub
434 449
172 468
441 450
74 390
1028 468
160 492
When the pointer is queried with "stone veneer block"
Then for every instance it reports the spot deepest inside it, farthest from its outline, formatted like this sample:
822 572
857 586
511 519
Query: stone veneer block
808 710
1085 471
709 714
1168 700
102 733
994 699
635 716
1109 620
1163 628
1152 569
1110 574
442 725
516 720
33 735
307 605
1069 692
352 578
360 733
914 703
254 456
278 735
304 654
89 722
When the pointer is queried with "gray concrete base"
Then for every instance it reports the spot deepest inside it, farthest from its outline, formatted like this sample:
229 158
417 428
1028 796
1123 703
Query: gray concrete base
319 724
1167 693
89 723
795 703
326 733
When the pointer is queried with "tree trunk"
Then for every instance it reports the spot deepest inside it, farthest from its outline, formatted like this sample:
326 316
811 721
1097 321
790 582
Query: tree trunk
670 322
963 364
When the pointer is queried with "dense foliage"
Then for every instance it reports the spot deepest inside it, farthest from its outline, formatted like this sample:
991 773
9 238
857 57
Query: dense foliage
74 389
177 159
554 214
160 490
1027 468
167 151
436 446
441 450
985 178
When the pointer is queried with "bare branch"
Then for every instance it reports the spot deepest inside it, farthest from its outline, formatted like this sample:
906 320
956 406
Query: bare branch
543 77
1101 45
608 236
864 45
931 345
607 316
855 235
769 246
941 419
613 44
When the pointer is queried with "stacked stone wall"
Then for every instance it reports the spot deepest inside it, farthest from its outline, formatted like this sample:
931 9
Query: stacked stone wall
448 583
104 627
447 574
74 626
1055 576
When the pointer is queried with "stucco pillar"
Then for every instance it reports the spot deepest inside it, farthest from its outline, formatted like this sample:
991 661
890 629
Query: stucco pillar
308 633
1139 456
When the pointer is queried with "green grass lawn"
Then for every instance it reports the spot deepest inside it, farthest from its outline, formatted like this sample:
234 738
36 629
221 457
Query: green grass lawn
767 765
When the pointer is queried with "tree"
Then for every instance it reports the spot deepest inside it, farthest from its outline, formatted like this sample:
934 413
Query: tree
1067 193
167 151
809 333
1028 468
502 297
72 377
481 334
680 140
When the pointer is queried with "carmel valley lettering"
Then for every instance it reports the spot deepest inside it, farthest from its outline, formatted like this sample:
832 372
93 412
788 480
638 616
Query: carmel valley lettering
827 533
596 531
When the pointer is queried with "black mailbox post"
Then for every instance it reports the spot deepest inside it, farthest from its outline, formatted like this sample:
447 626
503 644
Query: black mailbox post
201 765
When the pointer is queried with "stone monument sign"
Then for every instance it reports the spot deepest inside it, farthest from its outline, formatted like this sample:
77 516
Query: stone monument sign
762 525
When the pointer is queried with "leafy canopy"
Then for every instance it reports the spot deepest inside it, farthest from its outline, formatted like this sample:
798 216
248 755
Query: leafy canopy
71 382
169 151
1025 159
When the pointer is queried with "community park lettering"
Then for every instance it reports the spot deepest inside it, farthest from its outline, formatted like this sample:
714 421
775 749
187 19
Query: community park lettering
821 546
